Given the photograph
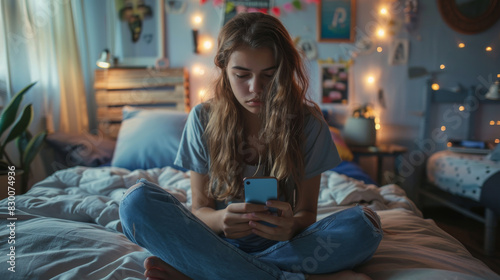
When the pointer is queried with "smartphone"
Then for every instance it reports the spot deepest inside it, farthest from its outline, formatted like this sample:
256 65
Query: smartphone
258 190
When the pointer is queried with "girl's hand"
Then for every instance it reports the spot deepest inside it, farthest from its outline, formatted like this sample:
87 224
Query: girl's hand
284 222
236 218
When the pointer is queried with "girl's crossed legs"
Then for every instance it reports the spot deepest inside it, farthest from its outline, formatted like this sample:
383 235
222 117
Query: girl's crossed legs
185 246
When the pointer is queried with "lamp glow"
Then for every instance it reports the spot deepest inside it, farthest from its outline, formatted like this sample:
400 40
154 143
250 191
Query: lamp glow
379 49
380 32
443 128
461 108
383 11
435 86
442 66
492 122
497 141
370 79
489 49
461 45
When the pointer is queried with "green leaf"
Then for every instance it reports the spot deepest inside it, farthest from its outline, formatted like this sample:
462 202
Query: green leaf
9 113
22 142
20 125
297 4
33 147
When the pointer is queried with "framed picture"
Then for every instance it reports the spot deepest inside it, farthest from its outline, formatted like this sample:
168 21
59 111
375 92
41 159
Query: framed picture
336 20
137 32
399 51
334 83
234 7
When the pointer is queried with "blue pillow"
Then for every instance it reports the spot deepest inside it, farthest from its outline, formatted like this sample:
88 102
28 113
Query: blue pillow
148 138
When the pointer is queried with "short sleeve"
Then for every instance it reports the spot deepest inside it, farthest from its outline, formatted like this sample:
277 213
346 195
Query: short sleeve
192 153
320 151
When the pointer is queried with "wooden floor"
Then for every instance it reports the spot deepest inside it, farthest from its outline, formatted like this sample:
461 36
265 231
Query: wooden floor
466 230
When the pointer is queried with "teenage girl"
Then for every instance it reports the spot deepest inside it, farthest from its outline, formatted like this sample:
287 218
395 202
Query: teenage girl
258 123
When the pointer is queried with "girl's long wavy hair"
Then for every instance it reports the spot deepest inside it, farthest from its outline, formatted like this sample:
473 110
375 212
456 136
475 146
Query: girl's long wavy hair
285 106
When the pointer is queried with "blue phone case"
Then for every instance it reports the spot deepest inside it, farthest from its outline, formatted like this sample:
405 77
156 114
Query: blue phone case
258 190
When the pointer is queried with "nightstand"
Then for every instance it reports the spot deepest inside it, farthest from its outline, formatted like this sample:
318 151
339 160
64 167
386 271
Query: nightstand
380 152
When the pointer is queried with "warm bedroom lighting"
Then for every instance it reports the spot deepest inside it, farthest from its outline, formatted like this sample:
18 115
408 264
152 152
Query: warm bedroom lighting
381 32
207 44
442 66
198 70
497 141
443 128
449 144
435 86
370 79
196 21
498 122
104 60
461 45
489 49
492 122
202 93
379 49
377 126
461 108
384 11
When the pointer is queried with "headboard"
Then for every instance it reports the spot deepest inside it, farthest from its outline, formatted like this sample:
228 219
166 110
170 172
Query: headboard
138 87
466 104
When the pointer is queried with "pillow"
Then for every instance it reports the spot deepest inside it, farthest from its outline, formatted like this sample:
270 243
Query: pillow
80 149
148 138
344 151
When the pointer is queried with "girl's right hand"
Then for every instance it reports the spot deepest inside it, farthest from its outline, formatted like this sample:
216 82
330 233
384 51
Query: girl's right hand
236 218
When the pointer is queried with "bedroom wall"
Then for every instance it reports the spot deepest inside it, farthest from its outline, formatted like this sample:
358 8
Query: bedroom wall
432 43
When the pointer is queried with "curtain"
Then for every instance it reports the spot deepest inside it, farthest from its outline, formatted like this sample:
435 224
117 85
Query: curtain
41 45
39 42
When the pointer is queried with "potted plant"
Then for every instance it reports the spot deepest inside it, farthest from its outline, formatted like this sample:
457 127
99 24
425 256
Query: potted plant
359 129
16 128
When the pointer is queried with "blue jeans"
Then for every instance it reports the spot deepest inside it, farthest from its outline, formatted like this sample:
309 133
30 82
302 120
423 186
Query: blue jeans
155 220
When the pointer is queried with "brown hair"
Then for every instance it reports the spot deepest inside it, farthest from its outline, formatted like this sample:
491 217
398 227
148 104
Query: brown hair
282 116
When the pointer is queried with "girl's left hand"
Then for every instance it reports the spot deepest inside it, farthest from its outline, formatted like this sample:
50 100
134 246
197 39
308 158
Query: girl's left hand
284 222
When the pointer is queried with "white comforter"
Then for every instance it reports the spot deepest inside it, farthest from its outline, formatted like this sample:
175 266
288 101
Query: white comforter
68 227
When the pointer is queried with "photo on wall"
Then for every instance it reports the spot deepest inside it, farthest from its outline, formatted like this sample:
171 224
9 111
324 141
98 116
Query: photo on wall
334 83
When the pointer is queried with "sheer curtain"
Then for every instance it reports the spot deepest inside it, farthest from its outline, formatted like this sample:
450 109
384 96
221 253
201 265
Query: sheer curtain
41 45
39 42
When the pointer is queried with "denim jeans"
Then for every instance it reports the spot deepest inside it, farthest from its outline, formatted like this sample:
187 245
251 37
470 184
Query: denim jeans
155 220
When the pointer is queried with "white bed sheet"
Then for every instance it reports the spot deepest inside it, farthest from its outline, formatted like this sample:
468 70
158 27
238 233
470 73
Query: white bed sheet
68 228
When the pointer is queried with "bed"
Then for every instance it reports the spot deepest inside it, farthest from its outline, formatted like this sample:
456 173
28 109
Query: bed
67 225
462 178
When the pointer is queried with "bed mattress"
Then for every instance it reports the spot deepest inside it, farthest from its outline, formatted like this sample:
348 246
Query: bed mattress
472 176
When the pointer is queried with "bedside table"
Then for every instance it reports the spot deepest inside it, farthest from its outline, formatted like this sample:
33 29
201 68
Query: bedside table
380 152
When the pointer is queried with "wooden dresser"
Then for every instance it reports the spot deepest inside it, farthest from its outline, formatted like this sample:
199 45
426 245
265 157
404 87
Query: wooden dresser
138 87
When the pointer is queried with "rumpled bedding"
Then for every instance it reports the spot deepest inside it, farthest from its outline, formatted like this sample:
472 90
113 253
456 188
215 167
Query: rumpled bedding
68 227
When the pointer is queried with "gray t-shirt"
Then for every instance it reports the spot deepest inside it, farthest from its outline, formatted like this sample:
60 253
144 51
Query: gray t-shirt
320 153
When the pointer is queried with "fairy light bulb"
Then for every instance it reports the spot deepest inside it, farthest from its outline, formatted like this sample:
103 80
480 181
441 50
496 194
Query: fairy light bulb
489 49
381 32
370 79
379 49
197 20
492 122
461 45
443 128
461 108
435 86
442 66
383 11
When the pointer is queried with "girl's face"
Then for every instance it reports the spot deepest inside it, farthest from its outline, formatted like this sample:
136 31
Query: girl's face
250 71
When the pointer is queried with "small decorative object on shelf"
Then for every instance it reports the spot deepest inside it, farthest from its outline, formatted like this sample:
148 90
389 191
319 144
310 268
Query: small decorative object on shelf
359 129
